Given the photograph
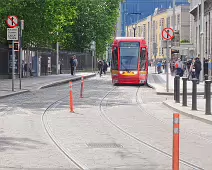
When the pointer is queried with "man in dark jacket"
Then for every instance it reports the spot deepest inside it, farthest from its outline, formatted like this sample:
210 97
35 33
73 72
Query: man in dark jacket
72 65
198 67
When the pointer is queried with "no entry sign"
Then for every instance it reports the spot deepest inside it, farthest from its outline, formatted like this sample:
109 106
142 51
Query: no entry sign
168 34
12 21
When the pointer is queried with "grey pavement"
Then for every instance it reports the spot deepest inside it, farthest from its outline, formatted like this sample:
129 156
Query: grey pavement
100 140
36 83
158 82
133 130
198 114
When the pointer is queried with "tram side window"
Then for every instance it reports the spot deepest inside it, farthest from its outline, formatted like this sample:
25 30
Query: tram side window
143 59
115 59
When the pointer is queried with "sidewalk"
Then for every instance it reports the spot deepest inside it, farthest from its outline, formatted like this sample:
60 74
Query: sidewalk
186 110
36 83
158 82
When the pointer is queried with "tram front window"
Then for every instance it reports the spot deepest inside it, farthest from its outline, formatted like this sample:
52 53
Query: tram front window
129 58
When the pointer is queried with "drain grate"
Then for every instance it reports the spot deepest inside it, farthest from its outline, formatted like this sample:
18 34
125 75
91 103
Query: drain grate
104 145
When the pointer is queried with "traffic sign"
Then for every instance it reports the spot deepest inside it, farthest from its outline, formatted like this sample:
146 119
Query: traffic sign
168 34
12 21
12 33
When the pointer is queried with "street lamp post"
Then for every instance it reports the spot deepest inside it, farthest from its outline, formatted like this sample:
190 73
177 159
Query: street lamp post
134 28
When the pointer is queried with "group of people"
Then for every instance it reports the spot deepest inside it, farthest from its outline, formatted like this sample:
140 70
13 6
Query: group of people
102 67
73 63
192 67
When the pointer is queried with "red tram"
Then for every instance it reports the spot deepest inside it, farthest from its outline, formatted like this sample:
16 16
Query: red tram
129 64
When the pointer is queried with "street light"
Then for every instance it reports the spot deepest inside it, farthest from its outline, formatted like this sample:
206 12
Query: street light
134 28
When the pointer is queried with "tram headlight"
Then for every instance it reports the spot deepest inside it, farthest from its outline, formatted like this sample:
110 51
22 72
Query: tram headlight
135 72
121 72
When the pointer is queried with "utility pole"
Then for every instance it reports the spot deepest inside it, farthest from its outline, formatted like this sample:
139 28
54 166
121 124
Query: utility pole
174 16
21 50
57 55
202 40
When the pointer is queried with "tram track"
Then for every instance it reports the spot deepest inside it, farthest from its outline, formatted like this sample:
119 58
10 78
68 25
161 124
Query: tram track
103 114
51 136
139 101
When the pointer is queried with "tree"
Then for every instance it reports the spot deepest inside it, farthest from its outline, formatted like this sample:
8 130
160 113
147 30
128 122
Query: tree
77 22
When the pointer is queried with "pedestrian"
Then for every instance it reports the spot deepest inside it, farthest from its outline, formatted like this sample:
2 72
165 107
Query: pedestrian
105 66
100 67
179 67
72 65
75 63
159 66
198 68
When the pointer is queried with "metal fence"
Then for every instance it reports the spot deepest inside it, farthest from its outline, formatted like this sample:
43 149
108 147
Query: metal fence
47 61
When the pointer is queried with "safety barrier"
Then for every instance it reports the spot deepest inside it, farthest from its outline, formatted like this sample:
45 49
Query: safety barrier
71 99
176 141
82 87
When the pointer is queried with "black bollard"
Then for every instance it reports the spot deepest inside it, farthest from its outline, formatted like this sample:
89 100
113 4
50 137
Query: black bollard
185 91
194 94
177 89
208 97
206 78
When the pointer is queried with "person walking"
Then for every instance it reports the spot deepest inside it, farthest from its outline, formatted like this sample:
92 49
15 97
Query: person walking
179 67
105 66
75 63
72 65
198 68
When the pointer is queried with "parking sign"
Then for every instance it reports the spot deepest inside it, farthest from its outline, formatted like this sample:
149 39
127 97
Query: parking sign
12 33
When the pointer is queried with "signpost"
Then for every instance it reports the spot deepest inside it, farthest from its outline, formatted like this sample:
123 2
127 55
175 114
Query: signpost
12 35
168 36
93 48
21 52
155 50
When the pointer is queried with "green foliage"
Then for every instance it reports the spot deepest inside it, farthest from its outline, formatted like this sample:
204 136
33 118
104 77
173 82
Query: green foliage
77 22
184 41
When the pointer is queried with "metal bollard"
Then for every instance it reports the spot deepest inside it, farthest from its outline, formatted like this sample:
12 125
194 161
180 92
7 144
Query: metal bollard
194 94
185 91
177 89
208 97
206 78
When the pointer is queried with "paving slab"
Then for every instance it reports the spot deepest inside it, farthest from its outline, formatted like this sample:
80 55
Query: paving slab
36 83
186 110
158 82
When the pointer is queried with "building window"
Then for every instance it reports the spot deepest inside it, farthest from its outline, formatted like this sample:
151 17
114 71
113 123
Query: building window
144 31
168 22
178 19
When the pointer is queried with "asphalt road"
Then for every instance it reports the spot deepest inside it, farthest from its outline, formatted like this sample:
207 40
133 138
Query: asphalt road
124 127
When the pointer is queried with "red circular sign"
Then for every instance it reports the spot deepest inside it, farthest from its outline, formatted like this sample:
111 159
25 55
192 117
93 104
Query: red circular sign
12 21
168 33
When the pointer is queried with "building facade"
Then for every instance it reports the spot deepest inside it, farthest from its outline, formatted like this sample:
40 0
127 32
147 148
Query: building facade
195 10
134 10
151 27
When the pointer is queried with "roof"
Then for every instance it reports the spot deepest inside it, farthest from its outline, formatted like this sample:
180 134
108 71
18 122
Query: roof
129 38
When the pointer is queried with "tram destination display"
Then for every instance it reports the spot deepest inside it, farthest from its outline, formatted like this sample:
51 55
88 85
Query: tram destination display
129 44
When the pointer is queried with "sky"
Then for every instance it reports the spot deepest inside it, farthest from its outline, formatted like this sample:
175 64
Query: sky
147 7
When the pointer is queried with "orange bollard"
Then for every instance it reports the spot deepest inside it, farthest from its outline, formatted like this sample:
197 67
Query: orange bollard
176 142
82 87
71 99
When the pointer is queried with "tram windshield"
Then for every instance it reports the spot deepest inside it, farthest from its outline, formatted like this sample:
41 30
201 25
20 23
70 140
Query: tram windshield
129 58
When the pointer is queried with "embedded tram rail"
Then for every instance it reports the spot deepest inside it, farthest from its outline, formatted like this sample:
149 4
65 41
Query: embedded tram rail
115 97
103 105
103 110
